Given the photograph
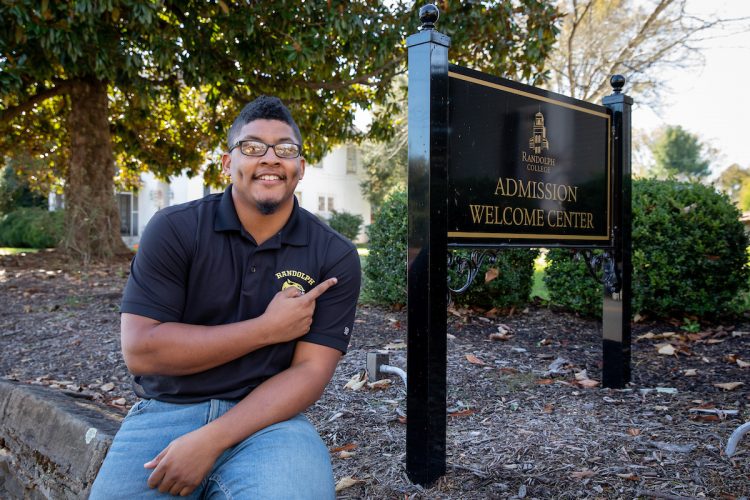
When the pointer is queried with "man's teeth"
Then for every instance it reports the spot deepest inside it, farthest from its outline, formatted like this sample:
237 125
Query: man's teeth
269 178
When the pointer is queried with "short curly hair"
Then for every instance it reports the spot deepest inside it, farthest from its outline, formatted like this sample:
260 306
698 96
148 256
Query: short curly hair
263 108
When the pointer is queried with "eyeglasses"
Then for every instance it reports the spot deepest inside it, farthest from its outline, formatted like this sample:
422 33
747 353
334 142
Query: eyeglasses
252 147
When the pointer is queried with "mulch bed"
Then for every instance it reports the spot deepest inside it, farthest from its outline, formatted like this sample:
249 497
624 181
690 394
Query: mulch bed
525 416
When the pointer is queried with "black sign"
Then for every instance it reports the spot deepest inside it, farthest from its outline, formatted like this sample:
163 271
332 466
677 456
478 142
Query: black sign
526 166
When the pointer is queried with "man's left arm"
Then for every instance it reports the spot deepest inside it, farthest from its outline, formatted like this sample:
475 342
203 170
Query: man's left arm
182 465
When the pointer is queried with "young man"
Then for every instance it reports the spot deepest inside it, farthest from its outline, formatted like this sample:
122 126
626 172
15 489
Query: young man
237 310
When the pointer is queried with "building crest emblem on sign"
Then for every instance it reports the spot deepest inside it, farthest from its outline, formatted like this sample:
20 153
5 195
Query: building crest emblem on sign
539 141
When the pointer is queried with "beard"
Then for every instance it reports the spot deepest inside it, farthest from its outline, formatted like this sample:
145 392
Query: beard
267 207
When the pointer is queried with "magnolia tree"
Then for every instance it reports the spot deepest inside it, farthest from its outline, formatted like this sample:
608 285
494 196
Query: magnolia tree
93 93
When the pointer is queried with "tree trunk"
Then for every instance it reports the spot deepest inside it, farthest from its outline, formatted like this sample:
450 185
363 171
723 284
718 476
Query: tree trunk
92 220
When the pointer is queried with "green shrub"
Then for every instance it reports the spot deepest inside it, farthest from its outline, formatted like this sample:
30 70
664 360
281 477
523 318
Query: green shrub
385 268
511 287
15 192
689 249
346 224
689 254
32 228
570 284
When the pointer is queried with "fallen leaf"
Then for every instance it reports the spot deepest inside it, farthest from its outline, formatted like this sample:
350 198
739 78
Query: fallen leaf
357 381
401 419
634 432
706 418
462 413
491 274
345 447
637 318
107 387
548 408
666 349
120 402
504 329
582 375
729 386
381 384
500 336
345 454
742 364
692 372
583 474
508 371
588 383
645 336
544 381
395 346
474 360
346 482
628 476
715 341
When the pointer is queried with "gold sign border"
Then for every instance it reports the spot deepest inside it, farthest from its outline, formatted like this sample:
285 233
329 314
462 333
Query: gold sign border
464 234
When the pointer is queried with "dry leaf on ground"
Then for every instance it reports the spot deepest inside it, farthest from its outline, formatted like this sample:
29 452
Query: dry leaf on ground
357 381
583 474
474 360
729 386
346 482
500 336
588 383
666 349
395 346
381 384
462 413
345 447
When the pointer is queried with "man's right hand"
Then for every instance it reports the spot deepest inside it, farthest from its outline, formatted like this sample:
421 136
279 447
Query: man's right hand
290 313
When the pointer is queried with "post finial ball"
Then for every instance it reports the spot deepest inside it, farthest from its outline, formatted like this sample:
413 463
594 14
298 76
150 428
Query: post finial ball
617 82
429 15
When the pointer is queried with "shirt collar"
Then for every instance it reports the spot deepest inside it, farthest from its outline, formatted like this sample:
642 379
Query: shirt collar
294 231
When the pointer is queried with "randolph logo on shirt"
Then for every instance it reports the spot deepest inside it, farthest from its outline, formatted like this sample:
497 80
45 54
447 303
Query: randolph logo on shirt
297 279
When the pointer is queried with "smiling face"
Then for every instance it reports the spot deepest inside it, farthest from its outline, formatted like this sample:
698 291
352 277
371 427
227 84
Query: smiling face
264 184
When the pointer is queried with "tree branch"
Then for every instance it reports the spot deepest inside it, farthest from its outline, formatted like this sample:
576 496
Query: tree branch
61 87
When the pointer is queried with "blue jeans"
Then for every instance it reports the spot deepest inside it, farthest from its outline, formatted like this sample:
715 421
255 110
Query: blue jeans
283 461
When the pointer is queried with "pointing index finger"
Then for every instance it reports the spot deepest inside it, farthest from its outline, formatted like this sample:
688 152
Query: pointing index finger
321 288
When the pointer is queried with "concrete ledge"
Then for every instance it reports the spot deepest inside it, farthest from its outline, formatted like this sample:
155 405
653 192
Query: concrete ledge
51 444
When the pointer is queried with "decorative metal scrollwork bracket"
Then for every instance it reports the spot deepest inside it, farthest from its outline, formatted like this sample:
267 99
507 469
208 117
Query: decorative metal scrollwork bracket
611 276
468 266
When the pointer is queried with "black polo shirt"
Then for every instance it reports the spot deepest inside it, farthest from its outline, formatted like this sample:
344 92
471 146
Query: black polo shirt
197 265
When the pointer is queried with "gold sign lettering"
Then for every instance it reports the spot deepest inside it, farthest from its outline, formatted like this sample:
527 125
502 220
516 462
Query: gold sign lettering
535 190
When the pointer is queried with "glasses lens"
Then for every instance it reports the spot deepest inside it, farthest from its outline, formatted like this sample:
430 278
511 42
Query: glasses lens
253 148
286 150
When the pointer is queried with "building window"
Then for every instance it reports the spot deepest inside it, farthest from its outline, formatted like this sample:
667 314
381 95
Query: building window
325 204
128 205
351 159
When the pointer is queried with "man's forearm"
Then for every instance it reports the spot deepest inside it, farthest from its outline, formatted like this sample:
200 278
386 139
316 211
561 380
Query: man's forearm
150 347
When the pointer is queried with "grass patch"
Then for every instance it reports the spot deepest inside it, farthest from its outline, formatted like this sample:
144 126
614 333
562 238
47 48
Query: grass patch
14 251
538 288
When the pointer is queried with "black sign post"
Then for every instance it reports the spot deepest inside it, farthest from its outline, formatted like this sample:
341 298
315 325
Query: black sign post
494 164
616 312
428 252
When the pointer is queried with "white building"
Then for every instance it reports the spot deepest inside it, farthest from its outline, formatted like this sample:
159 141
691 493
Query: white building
332 184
